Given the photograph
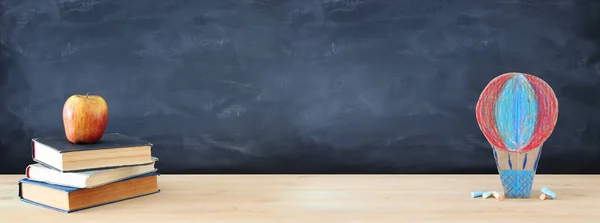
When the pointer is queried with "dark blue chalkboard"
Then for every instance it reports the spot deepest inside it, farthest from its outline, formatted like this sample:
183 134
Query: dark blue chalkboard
299 86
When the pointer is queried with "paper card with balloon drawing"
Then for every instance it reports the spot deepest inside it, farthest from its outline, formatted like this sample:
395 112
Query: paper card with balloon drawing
517 113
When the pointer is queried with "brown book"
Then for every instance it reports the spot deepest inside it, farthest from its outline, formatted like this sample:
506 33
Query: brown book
70 199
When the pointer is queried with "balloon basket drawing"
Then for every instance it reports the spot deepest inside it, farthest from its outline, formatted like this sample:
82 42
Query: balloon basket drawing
517 170
517 183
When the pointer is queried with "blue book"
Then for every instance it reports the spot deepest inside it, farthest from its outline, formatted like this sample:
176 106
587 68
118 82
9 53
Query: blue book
70 199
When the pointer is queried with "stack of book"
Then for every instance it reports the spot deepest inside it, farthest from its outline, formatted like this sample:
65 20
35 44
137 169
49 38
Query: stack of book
70 177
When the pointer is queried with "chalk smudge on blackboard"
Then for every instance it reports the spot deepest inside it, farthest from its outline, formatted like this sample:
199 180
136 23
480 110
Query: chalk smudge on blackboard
232 110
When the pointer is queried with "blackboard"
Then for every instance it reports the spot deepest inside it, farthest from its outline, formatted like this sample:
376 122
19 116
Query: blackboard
299 86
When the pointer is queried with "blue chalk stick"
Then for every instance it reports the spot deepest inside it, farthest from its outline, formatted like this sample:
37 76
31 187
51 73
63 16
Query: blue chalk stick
548 192
476 194
486 194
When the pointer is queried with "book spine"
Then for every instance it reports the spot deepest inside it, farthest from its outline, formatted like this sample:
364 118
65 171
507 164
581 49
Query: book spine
27 171
20 192
33 149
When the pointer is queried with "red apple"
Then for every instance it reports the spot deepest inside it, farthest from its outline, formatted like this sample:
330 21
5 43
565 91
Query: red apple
84 118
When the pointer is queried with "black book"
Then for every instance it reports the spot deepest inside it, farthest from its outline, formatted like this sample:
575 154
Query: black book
113 150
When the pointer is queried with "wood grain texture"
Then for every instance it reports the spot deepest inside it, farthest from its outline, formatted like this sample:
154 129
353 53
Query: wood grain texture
328 198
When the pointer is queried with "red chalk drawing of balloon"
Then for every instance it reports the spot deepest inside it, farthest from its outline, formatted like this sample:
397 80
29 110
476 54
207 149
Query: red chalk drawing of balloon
517 113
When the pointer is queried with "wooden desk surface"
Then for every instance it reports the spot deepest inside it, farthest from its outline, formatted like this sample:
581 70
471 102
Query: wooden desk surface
328 198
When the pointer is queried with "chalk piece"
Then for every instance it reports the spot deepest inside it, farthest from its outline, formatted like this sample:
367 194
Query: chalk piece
548 192
476 194
543 197
498 195
486 194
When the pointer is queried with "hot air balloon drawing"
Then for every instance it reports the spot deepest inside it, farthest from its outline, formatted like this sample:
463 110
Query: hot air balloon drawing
517 113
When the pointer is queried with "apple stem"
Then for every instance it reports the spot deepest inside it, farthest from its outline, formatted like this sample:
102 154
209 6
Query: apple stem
86 94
